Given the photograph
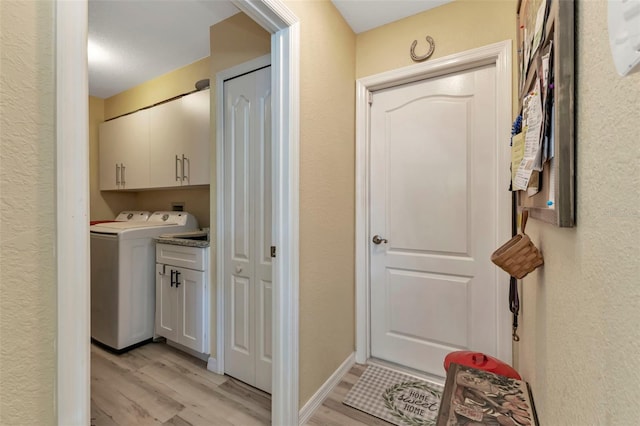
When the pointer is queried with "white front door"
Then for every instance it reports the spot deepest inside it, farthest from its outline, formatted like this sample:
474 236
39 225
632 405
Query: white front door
433 215
247 212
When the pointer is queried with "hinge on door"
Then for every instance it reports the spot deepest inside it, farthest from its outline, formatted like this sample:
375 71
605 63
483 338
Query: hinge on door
273 251
370 98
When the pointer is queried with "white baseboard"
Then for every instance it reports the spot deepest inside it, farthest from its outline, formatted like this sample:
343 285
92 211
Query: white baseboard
212 365
318 398
187 350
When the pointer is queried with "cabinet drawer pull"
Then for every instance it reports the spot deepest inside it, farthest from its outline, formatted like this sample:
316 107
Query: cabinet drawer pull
177 161
122 173
177 279
172 272
117 175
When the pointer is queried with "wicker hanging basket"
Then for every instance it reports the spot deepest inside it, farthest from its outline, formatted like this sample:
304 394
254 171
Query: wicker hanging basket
519 255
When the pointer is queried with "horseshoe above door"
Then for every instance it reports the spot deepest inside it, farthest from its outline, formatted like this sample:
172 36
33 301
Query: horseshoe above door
416 58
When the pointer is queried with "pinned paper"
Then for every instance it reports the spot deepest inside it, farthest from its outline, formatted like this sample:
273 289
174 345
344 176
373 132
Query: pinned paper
520 170
517 154
539 28
532 111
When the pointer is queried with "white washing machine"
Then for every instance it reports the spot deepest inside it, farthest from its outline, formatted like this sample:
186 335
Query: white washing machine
123 277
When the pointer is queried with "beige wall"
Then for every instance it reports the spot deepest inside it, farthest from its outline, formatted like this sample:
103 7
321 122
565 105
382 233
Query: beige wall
195 200
455 27
166 86
327 197
27 214
580 334
236 40
233 41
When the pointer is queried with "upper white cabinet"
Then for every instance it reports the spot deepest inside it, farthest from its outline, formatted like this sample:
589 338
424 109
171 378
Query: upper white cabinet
165 136
124 152
159 147
196 143
179 142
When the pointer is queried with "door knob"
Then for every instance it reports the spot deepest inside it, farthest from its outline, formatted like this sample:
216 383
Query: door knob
377 240
238 269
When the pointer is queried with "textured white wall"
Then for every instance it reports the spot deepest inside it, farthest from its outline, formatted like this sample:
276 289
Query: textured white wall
581 312
27 221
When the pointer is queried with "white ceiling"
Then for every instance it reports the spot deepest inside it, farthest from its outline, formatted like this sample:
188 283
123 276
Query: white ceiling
364 15
133 41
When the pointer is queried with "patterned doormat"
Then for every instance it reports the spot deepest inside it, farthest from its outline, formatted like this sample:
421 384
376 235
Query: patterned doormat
395 397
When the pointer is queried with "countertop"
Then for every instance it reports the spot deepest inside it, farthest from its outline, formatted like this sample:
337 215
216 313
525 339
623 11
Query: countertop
187 239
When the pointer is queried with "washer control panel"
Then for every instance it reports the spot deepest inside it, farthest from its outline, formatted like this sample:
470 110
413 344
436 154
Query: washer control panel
177 218
133 215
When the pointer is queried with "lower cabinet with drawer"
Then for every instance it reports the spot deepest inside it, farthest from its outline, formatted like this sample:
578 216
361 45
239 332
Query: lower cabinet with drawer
182 295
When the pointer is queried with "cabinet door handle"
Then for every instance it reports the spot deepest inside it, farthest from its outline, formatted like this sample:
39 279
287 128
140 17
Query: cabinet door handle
177 161
177 279
122 173
117 175
184 175
172 272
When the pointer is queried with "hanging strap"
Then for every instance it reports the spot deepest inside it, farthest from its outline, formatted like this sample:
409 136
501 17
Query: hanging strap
514 307
514 299
523 223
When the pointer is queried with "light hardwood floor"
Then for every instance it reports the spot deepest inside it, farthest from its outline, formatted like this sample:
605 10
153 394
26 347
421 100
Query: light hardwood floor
334 413
156 384
159 385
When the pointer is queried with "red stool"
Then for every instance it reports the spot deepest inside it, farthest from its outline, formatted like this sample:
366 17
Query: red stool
481 362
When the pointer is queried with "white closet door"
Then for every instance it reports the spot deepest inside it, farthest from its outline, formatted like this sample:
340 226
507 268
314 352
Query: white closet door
261 156
247 200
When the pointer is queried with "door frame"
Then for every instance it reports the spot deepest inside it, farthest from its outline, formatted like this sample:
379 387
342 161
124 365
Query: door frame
72 206
498 54
227 74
